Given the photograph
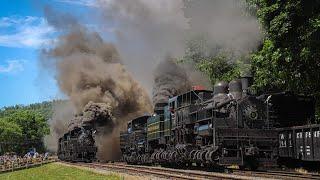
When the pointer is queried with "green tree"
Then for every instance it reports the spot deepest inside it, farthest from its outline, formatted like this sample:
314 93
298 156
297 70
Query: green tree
216 63
289 57
218 68
32 125
44 108
23 127
9 133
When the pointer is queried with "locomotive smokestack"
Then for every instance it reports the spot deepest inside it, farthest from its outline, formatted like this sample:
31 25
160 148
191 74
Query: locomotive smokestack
246 82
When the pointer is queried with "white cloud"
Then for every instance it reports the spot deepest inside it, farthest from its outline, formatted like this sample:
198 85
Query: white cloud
28 31
89 3
12 20
12 66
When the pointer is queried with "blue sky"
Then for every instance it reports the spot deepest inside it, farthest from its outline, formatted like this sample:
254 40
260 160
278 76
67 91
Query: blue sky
23 31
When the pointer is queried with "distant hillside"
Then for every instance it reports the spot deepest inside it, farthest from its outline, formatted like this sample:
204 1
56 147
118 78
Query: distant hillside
44 108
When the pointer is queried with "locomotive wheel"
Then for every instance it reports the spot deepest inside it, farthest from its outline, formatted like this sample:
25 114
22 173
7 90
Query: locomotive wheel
189 164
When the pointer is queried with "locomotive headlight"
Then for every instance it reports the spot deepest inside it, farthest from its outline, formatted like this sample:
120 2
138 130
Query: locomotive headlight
251 112
254 115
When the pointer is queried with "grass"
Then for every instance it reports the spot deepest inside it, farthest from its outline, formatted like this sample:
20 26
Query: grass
55 171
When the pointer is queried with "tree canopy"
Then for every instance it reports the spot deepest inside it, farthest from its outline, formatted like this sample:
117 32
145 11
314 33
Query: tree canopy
217 68
44 108
289 56
22 130
23 127
218 64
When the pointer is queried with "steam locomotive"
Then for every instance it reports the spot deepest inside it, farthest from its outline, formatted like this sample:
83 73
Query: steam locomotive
227 126
78 144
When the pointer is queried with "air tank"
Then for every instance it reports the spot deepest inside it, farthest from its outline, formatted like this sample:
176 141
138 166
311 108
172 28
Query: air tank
235 89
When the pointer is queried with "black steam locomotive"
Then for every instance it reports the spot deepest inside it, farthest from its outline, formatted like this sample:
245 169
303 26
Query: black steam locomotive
228 126
78 144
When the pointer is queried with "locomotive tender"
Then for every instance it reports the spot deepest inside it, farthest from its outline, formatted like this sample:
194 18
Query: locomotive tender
228 126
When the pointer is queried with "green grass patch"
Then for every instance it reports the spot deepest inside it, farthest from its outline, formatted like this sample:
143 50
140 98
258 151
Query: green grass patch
55 171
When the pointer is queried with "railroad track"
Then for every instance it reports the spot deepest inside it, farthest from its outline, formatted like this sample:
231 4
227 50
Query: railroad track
196 174
277 174
165 172
241 173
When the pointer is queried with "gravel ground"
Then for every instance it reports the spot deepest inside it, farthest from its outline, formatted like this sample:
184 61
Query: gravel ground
122 174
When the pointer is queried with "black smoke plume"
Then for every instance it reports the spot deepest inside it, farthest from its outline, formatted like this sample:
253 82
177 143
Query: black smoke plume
89 71
169 80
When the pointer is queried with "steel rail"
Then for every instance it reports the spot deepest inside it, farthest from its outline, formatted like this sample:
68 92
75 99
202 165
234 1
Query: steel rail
279 174
165 172
196 174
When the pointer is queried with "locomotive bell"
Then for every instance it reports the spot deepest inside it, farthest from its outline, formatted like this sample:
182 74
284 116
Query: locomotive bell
235 89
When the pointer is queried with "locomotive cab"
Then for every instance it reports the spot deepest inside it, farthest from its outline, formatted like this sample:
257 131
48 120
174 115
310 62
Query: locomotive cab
133 141
287 109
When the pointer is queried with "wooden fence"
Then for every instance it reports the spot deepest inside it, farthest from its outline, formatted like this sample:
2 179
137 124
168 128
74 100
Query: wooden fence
24 163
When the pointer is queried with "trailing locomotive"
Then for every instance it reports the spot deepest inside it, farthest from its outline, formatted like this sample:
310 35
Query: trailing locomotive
228 126
78 145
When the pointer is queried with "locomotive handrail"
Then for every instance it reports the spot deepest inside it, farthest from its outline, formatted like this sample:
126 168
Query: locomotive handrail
197 96
268 113
223 104
220 105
